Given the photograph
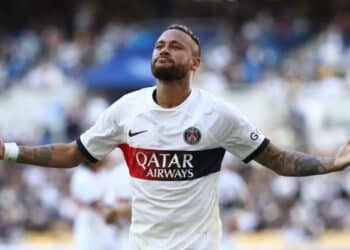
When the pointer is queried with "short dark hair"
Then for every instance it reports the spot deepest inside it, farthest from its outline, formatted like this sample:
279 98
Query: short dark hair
188 31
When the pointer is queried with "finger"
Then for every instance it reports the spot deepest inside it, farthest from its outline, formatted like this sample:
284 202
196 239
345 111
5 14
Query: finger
2 151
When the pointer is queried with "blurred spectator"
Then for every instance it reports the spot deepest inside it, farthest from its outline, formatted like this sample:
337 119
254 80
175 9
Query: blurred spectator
88 188
118 204
236 209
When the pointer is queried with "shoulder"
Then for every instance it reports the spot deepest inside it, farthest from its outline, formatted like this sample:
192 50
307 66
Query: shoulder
219 108
130 102
144 92
134 96
215 102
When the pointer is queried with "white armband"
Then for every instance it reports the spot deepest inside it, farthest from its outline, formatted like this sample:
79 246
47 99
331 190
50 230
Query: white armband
11 152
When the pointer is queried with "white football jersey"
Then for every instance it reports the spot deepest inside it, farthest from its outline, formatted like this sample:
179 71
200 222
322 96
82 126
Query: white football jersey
174 157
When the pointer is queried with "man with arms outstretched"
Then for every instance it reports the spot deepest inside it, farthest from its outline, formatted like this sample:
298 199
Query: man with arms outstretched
174 138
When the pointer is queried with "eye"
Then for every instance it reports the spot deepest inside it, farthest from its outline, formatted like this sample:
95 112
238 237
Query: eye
158 46
176 47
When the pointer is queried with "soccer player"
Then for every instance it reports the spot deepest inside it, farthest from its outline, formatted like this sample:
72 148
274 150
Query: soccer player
174 138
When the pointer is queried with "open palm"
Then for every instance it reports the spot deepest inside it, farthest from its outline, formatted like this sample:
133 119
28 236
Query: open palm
2 149
342 158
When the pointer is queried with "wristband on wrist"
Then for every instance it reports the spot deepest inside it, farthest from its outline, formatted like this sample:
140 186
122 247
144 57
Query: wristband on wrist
11 152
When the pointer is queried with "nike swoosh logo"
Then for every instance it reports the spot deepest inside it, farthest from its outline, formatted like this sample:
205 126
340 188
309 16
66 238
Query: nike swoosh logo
131 134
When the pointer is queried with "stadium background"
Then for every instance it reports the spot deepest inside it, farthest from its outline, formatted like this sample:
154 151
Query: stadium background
283 63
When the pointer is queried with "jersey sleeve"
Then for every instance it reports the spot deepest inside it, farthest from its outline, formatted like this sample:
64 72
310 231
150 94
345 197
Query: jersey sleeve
104 136
239 136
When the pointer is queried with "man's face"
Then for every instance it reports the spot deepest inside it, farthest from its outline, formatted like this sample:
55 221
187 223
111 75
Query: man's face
173 57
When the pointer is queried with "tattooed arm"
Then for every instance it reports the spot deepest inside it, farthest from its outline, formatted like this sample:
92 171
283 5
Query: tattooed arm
290 163
52 155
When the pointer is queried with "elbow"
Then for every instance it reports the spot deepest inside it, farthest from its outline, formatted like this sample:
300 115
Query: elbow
279 169
75 160
73 164
68 164
73 157
281 172
285 174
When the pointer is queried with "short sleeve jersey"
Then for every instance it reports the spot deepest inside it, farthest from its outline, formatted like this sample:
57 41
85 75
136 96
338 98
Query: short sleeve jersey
174 157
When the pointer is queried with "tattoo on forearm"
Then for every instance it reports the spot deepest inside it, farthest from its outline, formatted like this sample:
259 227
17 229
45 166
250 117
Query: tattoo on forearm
36 155
295 163
305 165
42 154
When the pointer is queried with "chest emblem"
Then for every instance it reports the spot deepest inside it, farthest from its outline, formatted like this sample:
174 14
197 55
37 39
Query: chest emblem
192 135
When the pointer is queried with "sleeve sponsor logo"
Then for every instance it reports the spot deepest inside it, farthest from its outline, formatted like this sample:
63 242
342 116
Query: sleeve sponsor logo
254 136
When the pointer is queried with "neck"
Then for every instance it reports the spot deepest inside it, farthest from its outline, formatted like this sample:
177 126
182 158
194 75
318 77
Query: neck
172 94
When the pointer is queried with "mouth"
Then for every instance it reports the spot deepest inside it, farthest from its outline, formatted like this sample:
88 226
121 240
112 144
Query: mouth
163 59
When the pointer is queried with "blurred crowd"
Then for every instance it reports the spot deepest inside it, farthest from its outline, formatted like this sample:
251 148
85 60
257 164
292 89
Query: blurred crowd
296 58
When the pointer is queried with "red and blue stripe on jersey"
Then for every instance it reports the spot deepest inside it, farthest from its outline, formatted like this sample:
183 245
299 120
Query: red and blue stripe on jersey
171 165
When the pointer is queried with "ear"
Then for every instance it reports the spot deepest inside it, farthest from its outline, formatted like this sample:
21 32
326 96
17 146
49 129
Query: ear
196 62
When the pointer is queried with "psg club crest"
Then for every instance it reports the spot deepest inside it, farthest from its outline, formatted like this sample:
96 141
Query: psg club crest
192 135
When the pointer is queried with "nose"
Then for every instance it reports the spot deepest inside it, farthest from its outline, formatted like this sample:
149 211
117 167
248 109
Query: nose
164 51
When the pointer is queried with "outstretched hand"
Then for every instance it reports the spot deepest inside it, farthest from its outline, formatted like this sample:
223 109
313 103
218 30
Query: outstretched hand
2 149
342 158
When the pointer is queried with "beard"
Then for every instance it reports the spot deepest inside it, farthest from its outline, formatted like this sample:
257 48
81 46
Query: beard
169 73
